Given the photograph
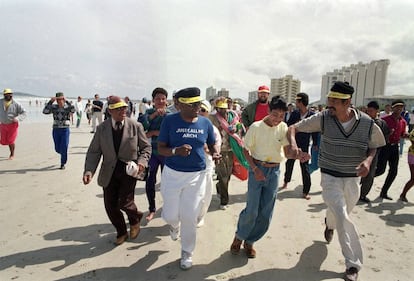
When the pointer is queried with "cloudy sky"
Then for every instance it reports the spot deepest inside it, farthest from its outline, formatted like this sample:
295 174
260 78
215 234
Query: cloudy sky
129 47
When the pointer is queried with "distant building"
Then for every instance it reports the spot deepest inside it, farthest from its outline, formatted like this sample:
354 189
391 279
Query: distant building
287 87
368 80
223 93
211 93
252 97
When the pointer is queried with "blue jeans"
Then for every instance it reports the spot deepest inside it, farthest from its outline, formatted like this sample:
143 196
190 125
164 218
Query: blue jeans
255 219
61 140
155 161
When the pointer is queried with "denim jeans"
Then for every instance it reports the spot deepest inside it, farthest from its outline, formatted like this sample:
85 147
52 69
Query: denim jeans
255 219
61 140
155 161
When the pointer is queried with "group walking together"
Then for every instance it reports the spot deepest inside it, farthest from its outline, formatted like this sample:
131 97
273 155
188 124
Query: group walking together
193 140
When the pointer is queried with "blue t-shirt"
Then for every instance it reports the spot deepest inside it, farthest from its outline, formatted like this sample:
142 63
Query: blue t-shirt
175 132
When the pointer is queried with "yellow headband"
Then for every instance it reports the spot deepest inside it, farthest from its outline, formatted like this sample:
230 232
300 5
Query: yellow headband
117 105
189 100
7 91
338 95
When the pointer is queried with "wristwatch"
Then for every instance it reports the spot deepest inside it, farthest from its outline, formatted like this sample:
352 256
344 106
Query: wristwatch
173 150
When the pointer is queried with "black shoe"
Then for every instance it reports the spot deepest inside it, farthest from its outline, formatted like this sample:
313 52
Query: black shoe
328 233
364 199
62 167
351 274
385 196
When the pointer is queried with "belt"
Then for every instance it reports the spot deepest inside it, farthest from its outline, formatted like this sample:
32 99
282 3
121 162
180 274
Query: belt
265 164
392 144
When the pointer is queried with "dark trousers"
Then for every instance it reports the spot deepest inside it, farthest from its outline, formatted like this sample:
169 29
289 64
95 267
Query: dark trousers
155 161
224 170
366 182
119 195
61 140
304 167
388 154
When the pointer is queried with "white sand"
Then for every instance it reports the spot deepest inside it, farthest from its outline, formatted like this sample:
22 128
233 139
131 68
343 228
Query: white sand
55 228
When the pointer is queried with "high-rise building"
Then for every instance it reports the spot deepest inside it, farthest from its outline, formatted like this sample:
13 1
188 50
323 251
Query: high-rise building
252 97
368 80
223 93
211 93
287 87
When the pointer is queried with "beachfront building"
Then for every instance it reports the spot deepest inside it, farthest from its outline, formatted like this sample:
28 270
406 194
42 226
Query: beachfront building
368 80
287 87
211 93
252 97
223 93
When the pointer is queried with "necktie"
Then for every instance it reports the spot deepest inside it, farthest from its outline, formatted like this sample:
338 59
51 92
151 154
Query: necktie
118 125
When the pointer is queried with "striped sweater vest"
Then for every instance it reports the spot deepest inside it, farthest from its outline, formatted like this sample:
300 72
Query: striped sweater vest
340 151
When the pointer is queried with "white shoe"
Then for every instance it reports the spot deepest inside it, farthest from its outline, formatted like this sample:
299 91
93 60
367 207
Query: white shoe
186 260
200 223
223 207
174 232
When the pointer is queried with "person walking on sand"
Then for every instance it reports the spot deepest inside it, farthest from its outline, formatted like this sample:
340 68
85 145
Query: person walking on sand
410 182
11 112
78 110
183 179
258 110
151 121
97 111
264 142
349 140
61 123
125 149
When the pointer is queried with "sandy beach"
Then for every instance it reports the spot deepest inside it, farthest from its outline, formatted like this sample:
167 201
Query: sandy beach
55 228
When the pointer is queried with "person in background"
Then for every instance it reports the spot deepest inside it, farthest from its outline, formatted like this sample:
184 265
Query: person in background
302 140
410 156
97 107
151 120
228 123
406 115
183 180
366 182
349 140
288 113
11 112
205 109
258 110
78 110
125 150
173 108
88 111
264 142
143 106
389 153
61 122
387 111
131 108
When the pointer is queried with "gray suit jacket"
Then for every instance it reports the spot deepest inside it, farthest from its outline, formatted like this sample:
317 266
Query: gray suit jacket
134 147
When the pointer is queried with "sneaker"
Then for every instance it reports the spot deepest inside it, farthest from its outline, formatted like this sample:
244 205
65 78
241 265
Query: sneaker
223 207
404 199
235 246
351 274
174 232
200 223
186 261
328 233
385 196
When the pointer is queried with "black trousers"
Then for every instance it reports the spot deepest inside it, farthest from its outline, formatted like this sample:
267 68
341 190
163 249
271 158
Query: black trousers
388 154
366 182
119 195
304 167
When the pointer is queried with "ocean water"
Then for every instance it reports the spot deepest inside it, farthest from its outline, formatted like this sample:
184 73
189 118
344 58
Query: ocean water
34 108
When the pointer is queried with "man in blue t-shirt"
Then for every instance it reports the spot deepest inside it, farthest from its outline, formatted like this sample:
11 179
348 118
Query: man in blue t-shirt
181 140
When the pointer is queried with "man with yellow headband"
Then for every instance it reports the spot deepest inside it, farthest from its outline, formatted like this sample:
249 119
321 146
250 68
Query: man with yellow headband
183 180
125 149
349 140
10 114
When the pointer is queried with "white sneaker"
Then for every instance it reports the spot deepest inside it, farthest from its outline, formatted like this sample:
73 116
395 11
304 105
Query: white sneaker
186 260
223 207
174 232
200 223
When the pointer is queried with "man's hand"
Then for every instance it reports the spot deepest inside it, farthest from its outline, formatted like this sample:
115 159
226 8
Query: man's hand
87 178
362 169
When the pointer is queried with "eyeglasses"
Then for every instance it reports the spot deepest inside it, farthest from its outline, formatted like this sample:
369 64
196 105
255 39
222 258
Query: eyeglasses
121 108
203 110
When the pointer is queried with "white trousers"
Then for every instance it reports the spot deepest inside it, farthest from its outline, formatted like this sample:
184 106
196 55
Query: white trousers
96 116
341 196
182 193
205 203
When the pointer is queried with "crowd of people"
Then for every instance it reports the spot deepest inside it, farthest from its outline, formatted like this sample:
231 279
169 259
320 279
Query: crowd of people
193 140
